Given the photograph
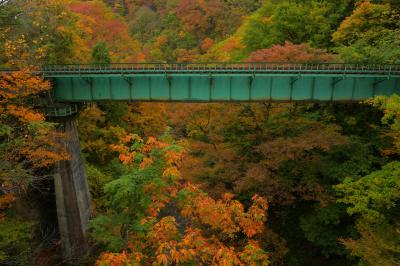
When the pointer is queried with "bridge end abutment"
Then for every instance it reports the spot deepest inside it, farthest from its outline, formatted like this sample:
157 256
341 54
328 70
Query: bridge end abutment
72 195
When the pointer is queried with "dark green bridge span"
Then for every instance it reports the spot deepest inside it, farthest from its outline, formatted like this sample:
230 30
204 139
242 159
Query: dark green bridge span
196 82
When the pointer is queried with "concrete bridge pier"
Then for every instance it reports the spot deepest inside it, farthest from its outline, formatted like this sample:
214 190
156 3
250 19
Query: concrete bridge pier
72 195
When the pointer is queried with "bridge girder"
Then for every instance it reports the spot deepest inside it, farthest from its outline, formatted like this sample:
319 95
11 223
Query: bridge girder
222 87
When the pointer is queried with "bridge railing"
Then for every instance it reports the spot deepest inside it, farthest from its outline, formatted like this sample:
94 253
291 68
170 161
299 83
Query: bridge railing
220 67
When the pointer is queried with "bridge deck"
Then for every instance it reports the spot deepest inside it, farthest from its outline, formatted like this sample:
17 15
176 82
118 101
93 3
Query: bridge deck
209 82
222 68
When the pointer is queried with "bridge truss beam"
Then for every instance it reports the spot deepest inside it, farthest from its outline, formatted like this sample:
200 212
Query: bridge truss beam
214 87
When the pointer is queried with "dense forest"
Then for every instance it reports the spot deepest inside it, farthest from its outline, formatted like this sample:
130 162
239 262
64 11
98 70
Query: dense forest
203 184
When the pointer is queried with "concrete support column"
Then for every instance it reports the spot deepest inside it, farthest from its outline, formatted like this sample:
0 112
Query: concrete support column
72 196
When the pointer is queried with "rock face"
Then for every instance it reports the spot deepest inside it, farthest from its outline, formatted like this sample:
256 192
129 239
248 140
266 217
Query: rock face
72 196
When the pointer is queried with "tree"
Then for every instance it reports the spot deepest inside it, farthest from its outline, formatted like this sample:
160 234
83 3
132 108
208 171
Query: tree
41 31
289 52
24 129
206 44
279 21
291 155
370 34
246 6
29 147
100 24
146 24
373 199
100 54
137 200
390 107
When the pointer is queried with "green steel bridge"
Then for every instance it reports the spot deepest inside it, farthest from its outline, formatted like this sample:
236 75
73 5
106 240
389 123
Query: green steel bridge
216 82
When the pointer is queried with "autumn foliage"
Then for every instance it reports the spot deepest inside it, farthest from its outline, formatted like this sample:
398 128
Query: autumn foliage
198 16
210 227
99 24
37 148
30 146
289 52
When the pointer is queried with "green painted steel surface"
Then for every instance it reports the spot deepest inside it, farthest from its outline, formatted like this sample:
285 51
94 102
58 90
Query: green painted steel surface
199 82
